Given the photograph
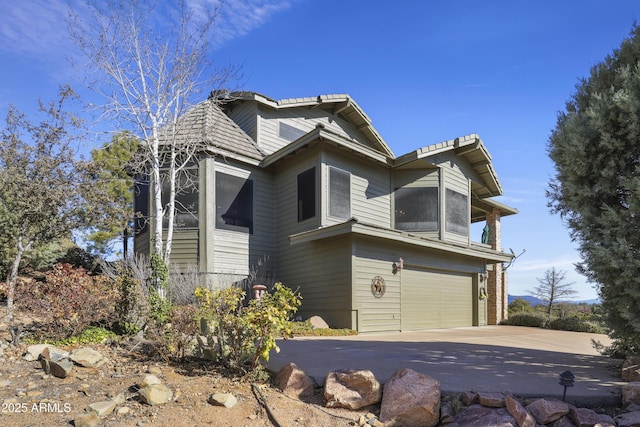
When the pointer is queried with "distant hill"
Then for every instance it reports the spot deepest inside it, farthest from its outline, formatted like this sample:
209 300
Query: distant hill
536 301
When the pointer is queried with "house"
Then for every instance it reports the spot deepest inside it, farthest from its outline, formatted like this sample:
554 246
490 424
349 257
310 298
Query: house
374 241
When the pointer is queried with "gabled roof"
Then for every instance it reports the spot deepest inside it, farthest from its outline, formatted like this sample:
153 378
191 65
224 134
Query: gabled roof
207 124
469 147
337 104
322 135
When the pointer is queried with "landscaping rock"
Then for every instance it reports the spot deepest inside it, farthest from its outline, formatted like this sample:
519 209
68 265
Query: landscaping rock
86 419
630 393
34 352
583 417
294 382
563 421
491 400
519 413
410 398
469 398
227 400
318 322
155 394
61 368
87 357
546 411
477 415
149 380
628 419
351 389
630 370
105 408
446 413
54 354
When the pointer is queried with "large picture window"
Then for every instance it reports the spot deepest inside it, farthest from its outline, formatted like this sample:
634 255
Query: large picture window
416 208
186 201
307 194
457 213
339 193
234 203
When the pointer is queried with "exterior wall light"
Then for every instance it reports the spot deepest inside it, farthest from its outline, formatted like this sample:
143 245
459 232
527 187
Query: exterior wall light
566 380
398 265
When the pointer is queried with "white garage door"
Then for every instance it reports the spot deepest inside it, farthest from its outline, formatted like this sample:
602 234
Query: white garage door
435 300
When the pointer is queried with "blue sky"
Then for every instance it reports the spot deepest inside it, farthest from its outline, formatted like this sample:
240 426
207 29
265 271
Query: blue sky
424 71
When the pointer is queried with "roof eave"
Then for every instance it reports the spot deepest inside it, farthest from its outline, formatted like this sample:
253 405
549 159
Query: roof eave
369 230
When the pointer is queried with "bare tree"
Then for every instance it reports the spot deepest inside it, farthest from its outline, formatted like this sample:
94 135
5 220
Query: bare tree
150 58
551 288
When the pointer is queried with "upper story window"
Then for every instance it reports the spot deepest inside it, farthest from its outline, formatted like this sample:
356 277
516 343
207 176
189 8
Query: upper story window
288 132
186 200
416 208
457 212
339 193
234 203
141 206
307 194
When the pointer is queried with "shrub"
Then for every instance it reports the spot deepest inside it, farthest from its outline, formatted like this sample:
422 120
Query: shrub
174 340
526 319
519 305
68 301
132 306
241 336
575 324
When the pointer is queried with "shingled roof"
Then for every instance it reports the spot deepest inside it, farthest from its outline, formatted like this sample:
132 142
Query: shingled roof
207 124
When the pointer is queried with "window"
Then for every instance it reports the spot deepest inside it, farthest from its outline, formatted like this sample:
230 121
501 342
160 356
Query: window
234 203
457 217
289 133
416 208
141 206
339 193
186 202
307 194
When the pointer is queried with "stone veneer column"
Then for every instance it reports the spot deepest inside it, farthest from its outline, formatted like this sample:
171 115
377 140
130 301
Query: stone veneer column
496 288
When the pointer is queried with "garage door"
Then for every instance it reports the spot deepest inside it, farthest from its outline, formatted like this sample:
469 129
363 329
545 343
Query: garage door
435 300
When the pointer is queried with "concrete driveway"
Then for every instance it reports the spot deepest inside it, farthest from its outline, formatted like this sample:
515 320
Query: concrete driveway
524 361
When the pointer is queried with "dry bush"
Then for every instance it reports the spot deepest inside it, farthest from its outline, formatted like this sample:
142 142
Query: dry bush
68 301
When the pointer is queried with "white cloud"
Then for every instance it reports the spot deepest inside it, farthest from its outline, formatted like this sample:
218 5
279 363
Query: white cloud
239 17
37 28
34 28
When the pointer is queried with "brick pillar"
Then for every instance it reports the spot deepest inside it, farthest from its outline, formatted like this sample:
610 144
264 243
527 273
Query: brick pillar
496 289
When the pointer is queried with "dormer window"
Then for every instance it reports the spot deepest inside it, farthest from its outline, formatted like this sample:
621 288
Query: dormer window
288 132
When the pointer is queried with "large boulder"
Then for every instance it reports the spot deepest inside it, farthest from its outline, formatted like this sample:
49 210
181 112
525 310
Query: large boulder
546 411
519 413
351 389
294 382
318 322
410 398
588 417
